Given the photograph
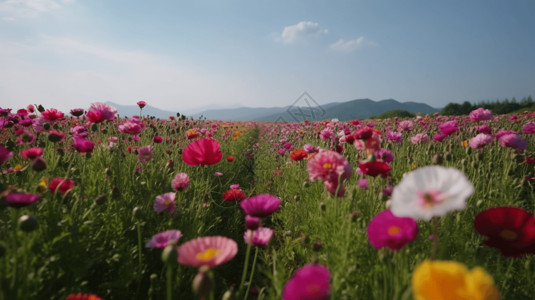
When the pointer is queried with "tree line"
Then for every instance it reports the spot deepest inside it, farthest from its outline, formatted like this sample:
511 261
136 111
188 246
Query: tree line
499 107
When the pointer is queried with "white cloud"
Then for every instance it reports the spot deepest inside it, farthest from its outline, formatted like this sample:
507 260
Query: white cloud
302 31
11 10
351 45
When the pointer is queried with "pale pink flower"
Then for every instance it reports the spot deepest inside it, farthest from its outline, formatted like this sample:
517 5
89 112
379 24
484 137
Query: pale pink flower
480 114
480 140
144 153
162 239
420 138
180 182
259 237
210 251
165 202
513 140
405 125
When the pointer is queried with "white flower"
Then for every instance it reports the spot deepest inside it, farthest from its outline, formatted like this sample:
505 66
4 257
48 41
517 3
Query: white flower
431 191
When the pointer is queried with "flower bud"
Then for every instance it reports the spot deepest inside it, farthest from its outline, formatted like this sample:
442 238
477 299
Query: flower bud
252 223
28 223
137 213
38 164
170 254
202 283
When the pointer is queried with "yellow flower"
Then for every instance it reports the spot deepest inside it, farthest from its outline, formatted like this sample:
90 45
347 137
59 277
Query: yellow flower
465 143
414 166
446 280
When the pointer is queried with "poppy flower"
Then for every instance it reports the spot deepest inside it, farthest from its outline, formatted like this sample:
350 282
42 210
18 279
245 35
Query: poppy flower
375 168
388 230
162 239
432 280
430 191
298 154
52 114
405 125
420 138
131 126
31 152
62 185
202 152
261 206
210 251
230 158
509 229
259 237
21 199
100 112
448 127
311 282
81 296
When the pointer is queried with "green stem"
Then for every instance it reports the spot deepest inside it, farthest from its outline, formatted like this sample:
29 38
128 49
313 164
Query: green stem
139 245
244 273
435 237
252 273
169 284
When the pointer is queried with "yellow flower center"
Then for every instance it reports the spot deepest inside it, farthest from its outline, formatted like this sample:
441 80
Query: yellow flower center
509 235
393 230
167 202
327 166
208 254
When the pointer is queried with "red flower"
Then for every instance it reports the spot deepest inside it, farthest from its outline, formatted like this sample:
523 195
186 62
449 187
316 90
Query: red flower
31 152
52 114
202 152
81 296
141 104
298 154
230 158
66 185
233 195
374 168
509 229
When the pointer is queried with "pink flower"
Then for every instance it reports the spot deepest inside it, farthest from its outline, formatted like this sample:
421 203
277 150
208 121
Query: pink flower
165 202
52 114
394 136
218 174
259 237
261 206
515 141
21 199
141 104
210 251
311 282
448 127
480 114
388 230
326 134
384 155
480 140
528 128
64 184
144 153
31 152
202 152
157 139
311 149
328 166
131 126
439 137
180 182
100 112
405 125
484 129
363 183
420 138
83 145
162 239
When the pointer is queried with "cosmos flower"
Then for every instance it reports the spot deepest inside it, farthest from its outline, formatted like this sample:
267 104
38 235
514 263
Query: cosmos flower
430 191
202 152
387 230
210 251
162 239
261 206
509 229
259 237
100 112
165 202
328 166
311 282
444 280
528 128
180 182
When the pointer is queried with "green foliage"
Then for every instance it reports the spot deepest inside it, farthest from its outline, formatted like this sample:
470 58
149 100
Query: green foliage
395 113
498 107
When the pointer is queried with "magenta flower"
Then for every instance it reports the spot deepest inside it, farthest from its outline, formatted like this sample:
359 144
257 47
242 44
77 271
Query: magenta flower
311 149
21 199
210 251
311 282
202 152
363 183
502 132
144 153
83 145
484 129
384 155
388 230
165 202
31 152
480 114
100 112
131 126
261 206
515 141
439 137
394 136
480 140
405 125
448 127
162 239
180 182
157 139
141 104
528 128
259 237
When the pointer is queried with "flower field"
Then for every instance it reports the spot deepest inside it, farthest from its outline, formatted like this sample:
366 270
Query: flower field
98 206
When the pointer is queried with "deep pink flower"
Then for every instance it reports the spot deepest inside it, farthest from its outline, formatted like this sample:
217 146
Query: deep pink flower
328 166
484 129
21 199
448 127
502 132
259 237
261 206
100 112
384 155
439 137
141 104
480 140
375 168
326 134
202 152
145 154
162 239
131 126
210 251
420 138
311 149
251 222
180 182
515 141
52 114
528 128
311 282
64 184
480 114
83 145
363 183
165 202
31 152
157 139
388 230
405 125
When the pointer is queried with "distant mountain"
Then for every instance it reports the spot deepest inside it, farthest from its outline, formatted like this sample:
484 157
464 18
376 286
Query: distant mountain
306 110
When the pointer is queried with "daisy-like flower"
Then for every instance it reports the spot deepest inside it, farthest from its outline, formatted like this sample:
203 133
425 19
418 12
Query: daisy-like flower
259 237
261 206
165 202
509 229
430 191
31 152
387 230
162 239
435 280
210 251
311 282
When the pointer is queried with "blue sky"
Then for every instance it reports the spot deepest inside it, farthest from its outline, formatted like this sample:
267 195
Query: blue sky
187 55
